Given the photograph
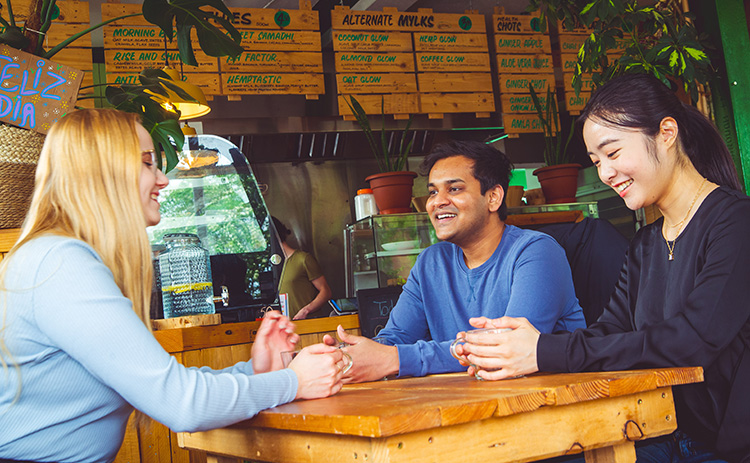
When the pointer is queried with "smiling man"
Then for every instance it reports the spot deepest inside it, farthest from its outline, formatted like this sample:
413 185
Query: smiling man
482 267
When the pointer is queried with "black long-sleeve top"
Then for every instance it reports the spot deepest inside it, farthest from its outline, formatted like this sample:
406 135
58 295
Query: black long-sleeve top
691 311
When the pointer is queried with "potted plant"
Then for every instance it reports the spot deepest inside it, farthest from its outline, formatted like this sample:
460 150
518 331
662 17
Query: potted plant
216 35
662 41
392 187
559 178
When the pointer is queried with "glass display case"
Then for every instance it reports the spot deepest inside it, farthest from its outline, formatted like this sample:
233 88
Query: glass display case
381 250
213 193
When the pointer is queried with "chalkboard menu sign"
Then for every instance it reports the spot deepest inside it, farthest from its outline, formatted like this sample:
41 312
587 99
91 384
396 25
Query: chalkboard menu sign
412 62
375 307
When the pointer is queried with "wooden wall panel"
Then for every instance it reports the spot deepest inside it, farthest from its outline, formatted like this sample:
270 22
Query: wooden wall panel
448 52
434 82
360 41
444 42
377 83
295 62
523 58
282 52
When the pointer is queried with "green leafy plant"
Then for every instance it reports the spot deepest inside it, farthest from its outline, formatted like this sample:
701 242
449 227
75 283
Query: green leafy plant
170 15
163 125
387 161
660 41
186 14
555 152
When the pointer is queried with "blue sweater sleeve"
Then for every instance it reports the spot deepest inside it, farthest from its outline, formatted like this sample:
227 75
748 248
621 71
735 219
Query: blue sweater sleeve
408 329
536 283
95 325
542 290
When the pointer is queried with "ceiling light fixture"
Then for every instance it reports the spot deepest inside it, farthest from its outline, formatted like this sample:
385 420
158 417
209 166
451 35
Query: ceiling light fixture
188 109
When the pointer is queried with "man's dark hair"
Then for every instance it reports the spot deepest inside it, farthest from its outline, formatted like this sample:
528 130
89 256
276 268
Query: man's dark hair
491 166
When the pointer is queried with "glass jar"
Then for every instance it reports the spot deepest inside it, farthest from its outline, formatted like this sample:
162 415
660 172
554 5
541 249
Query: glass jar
364 204
185 271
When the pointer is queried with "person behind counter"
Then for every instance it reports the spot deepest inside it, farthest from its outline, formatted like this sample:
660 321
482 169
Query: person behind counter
75 344
302 279
682 296
482 267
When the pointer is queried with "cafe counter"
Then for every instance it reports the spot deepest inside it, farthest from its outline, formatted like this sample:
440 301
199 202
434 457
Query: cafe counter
216 346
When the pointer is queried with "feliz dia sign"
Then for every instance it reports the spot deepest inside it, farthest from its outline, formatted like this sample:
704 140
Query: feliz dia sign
35 92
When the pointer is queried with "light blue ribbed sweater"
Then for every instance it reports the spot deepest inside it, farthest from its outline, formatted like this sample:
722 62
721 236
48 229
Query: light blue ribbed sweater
85 360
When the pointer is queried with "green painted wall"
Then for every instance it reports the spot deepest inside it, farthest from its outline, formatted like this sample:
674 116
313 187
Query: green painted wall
725 20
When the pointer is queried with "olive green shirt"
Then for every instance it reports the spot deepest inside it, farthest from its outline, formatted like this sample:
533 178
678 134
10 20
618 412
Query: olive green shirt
300 269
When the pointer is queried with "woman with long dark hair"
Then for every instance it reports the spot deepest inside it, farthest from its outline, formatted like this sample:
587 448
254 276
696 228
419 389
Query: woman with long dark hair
682 296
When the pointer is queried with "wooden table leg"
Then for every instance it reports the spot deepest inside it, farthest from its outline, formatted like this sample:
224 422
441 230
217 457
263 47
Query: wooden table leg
619 453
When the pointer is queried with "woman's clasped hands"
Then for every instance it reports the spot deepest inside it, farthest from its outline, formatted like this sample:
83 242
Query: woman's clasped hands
318 367
502 355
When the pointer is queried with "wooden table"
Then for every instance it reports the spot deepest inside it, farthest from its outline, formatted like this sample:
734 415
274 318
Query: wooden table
455 418
215 346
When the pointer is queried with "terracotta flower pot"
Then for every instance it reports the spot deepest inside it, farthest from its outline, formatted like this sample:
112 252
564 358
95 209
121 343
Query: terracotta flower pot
392 191
559 183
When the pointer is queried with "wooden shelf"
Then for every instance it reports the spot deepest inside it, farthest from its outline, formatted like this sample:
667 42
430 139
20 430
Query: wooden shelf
543 218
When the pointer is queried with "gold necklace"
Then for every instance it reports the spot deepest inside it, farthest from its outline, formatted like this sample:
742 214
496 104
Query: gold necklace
670 247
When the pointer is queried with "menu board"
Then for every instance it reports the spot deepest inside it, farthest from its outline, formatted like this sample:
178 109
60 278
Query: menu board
412 62
72 17
570 43
133 44
524 57
282 53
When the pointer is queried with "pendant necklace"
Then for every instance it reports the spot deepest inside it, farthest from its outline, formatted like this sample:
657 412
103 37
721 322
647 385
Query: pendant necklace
670 245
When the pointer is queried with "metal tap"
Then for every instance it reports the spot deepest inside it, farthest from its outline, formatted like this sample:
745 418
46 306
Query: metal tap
224 299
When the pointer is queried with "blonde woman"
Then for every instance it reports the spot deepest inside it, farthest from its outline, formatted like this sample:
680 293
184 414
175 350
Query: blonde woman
76 349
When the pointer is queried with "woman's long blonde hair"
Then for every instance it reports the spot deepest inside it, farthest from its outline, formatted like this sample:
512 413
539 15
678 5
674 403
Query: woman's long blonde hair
87 187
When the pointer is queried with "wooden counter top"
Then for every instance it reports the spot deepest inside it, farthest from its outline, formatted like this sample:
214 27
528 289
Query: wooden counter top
201 337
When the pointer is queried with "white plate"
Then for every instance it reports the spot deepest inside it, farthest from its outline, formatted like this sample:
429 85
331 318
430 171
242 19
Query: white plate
400 245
